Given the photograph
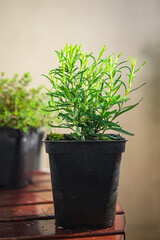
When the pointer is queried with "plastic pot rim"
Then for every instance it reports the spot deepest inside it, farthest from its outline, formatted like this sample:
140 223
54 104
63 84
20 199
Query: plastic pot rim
86 141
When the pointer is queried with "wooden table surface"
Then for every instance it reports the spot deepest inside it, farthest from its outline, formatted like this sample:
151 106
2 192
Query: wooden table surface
28 213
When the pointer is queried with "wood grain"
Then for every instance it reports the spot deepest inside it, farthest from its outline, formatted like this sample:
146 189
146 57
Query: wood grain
26 212
18 199
34 187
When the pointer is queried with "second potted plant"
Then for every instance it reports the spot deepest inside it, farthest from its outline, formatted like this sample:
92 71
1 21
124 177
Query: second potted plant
88 95
20 132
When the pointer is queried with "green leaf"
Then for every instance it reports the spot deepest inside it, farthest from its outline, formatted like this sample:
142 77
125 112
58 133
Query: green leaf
126 109
61 125
126 67
133 62
140 67
121 131
47 77
78 131
101 52
112 124
138 87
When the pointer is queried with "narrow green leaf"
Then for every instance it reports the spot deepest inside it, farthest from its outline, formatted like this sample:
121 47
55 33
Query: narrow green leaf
126 67
121 131
140 67
47 77
126 109
138 87
78 131
101 52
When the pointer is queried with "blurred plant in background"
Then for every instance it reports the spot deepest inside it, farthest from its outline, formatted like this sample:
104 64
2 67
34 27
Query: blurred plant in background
20 106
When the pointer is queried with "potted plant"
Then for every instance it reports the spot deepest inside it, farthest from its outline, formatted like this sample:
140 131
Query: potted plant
20 132
88 95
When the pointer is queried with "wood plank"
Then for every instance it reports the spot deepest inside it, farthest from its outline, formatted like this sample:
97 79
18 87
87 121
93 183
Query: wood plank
111 237
18 199
33 187
32 211
119 209
38 229
27 212
105 237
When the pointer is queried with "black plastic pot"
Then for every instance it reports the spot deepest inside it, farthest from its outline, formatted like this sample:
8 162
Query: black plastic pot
85 178
18 153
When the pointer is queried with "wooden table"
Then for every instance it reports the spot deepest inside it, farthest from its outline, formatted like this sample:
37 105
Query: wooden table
28 213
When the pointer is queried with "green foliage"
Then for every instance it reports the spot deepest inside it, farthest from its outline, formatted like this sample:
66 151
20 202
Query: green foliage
20 107
88 94
59 137
56 136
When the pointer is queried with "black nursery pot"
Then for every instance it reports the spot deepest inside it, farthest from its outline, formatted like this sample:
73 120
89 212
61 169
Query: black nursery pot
18 152
85 178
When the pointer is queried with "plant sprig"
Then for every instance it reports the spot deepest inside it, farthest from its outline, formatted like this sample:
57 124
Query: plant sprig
85 92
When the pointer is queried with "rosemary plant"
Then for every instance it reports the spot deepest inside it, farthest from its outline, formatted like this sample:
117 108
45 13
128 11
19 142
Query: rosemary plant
20 107
86 92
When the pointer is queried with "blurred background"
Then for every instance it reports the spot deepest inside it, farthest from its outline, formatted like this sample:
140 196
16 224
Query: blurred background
30 32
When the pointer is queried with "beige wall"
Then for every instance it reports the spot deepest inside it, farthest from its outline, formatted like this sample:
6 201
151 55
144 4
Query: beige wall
31 30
